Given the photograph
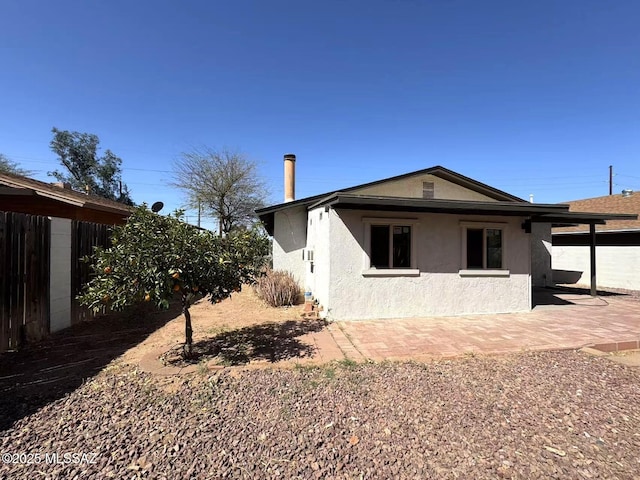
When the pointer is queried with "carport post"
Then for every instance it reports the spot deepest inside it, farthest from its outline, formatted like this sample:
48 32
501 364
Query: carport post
592 252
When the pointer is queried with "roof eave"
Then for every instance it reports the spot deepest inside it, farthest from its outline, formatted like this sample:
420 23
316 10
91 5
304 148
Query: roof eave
350 201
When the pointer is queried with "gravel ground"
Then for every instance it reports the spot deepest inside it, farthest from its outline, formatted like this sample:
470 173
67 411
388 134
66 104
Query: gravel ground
530 415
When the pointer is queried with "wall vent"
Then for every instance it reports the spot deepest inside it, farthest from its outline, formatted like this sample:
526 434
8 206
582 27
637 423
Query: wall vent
427 190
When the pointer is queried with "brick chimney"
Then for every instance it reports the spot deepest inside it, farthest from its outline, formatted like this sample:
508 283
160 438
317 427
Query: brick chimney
289 177
64 185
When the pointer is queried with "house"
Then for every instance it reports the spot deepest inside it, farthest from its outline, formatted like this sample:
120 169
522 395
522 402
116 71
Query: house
617 245
426 243
26 195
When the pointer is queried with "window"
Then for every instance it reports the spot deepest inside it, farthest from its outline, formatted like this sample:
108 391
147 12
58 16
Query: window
390 246
483 246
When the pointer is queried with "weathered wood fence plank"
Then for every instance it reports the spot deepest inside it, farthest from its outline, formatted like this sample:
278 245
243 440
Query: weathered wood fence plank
24 279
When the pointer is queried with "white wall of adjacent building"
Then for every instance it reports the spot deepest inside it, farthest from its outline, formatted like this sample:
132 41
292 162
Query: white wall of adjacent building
616 266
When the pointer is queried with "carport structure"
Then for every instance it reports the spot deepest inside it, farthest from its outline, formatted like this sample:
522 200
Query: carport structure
569 219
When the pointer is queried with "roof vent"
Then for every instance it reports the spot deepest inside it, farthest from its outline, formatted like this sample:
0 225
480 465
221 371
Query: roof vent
64 185
627 193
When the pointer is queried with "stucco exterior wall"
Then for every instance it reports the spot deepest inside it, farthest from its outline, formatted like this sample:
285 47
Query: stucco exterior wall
319 271
616 266
289 239
60 271
541 272
412 188
438 289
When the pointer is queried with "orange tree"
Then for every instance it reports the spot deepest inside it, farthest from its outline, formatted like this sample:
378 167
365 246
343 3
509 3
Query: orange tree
153 258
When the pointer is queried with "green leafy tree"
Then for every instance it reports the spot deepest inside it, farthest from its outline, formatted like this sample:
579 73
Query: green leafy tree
224 183
9 166
154 258
85 170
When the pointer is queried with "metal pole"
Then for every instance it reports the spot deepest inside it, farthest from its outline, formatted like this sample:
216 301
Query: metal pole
592 252
198 213
610 179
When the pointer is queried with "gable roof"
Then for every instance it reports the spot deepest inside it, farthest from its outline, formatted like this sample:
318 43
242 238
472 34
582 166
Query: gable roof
376 202
266 214
610 204
16 184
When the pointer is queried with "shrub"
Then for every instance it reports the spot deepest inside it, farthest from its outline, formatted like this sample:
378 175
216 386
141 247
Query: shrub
278 288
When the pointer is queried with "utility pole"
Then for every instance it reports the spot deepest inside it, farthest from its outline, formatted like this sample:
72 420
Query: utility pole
198 213
610 179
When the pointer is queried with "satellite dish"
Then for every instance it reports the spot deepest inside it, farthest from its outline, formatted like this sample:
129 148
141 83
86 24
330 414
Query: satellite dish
156 207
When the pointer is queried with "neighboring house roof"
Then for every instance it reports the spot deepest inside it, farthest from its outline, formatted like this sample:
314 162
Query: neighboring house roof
610 204
19 185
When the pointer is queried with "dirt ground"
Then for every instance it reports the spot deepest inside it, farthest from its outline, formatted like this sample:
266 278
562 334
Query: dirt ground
243 310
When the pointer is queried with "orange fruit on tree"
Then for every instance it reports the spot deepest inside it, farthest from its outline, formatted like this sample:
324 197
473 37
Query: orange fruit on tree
175 275
176 288
147 297
107 270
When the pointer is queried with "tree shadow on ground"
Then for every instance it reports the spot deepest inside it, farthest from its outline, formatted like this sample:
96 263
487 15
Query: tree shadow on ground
270 342
43 372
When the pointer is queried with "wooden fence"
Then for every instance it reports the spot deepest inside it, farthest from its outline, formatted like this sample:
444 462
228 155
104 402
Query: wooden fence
24 278
85 237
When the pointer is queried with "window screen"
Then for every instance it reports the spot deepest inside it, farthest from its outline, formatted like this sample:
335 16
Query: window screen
494 248
401 246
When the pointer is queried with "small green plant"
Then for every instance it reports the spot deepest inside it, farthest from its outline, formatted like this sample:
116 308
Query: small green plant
347 363
300 367
202 368
330 373
278 288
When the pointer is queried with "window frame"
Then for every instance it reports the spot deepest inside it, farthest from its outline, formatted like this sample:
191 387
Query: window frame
369 270
484 271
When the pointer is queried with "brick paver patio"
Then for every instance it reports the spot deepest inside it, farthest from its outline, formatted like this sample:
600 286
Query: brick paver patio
563 320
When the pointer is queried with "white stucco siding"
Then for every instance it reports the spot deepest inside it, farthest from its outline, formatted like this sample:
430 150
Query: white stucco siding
319 271
439 289
412 187
616 266
289 239
541 272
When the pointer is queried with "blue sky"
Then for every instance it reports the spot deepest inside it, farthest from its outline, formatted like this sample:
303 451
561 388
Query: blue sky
530 97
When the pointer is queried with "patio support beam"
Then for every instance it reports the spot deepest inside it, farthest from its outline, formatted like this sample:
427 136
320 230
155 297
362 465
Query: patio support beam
592 254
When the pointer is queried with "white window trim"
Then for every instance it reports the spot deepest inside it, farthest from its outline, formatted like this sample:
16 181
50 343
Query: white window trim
483 272
367 270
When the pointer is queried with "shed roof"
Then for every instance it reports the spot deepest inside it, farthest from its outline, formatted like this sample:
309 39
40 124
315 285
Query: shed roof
19 185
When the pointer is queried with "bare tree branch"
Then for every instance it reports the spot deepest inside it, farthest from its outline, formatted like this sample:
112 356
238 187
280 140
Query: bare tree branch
224 182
